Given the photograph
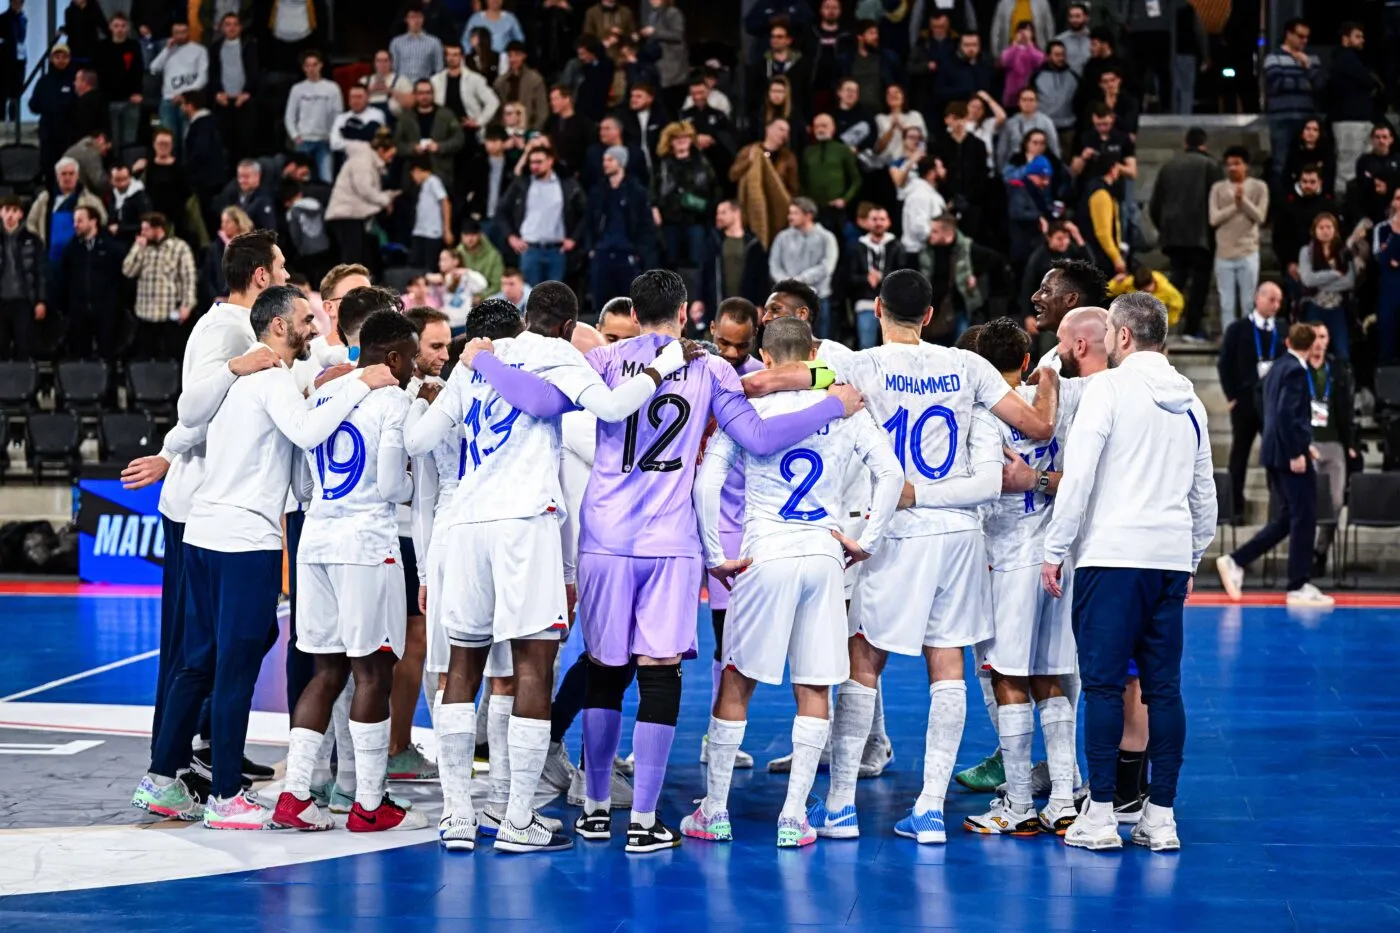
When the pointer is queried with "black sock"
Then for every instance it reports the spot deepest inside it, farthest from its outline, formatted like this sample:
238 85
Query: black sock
1132 773
568 699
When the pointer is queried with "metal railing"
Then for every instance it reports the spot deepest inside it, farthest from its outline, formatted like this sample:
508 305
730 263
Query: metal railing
34 73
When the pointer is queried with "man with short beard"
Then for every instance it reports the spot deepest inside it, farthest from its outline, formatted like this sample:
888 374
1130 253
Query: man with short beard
830 174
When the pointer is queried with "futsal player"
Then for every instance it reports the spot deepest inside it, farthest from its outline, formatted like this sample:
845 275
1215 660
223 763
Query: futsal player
788 603
351 580
233 543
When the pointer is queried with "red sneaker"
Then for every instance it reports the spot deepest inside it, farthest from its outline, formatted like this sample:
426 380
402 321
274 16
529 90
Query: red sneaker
387 817
303 815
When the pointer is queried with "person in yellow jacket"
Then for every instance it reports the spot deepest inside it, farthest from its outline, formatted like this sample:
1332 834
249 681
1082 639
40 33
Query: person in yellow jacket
1156 283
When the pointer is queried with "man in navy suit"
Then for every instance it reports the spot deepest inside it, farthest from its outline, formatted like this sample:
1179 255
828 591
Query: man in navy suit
1286 452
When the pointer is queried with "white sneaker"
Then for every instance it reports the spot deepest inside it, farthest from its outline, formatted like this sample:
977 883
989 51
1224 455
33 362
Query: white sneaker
239 812
1057 817
558 773
1309 595
493 816
878 755
1157 829
743 761
619 789
1095 828
457 833
1231 575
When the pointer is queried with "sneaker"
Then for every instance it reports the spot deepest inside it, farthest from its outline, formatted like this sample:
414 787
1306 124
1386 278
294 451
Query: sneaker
457 833
1094 829
783 765
1231 575
412 765
1128 810
304 815
536 837
1040 779
743 761
987 775
559 771
839 825
252 771
596 825
657 837
619 789
199 786
493 817
173 801
321 794
793 834
710 828
627 766
1003 820
238 812
1310 596
342 801
1157 829
924 828
387 817
1056 817
202 763
878 755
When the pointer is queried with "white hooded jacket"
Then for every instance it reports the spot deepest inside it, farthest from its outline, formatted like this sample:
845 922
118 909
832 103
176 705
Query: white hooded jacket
1138 488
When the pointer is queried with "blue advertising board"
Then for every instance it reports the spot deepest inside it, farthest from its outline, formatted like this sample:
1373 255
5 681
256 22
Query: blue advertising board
120 538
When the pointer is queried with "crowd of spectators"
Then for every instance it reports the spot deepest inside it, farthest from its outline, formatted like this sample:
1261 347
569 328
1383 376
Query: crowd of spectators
486 149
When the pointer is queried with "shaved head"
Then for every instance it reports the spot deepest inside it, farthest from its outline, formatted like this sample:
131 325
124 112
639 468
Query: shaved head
1081 348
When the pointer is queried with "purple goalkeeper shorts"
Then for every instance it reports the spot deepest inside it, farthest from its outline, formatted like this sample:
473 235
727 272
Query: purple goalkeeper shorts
638 606
732 542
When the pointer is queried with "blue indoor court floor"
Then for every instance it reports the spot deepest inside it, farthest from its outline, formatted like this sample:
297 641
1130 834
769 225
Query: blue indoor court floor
1289 811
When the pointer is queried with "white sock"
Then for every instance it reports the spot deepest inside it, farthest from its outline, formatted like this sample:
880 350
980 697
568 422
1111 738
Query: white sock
302 748
200 744
436 704
947 711
498 731
1057 725
850 727
725 738
371 744
160 780
322 773
1016 724
344 744
529 743
1100 811
809 735
456 751
483 716
1072 687
877 722
644 820
989 697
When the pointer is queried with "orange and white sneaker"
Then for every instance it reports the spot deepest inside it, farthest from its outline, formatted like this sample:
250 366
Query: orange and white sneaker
1002 819
302 815
387 817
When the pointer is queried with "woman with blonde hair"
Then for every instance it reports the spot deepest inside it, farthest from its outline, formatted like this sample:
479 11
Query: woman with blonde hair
232 222
683 189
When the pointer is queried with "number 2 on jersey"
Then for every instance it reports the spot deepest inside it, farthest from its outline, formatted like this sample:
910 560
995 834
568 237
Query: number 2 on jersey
651 461
790 510
913 438
351 468
1052 448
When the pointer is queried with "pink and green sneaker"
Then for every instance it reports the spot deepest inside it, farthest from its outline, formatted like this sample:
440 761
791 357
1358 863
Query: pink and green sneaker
710 828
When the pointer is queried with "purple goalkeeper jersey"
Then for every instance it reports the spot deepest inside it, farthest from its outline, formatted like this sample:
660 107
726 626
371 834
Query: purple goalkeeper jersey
638 500
731 497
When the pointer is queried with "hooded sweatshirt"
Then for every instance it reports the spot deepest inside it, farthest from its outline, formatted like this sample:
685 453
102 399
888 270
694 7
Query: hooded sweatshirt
809 257
1138 488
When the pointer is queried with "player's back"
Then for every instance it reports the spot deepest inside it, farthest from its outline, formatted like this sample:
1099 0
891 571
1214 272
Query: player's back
509 467
923 396
795 498
349 521
638 501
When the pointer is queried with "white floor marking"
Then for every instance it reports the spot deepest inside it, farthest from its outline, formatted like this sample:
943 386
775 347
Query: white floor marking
80 675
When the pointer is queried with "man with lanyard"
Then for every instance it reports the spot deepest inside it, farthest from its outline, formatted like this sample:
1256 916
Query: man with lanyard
1247 350
1334 430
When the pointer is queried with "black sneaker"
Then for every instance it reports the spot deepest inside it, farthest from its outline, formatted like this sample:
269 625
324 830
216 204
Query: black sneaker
252 771
654 838
197 784
597 825
202 763
1128 811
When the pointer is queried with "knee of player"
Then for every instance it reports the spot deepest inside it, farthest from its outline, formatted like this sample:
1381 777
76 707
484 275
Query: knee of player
605 686
659 693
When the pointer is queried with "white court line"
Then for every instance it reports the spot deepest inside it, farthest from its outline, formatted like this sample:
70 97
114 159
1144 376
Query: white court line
79 676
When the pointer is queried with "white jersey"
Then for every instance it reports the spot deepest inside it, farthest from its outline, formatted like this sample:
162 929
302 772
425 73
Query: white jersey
923 396
359 474
795 498
1051 359
580 431
511 467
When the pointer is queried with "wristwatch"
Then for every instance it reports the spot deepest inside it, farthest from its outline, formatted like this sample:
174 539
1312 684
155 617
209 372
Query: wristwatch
1042 481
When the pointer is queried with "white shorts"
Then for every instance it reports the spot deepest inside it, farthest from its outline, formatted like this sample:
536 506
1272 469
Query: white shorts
789 610
439 652
925 592
852 526
1031 632
506 580
350 609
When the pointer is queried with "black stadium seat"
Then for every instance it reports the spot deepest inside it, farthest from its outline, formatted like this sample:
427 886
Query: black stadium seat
82 386
126 436
53 444
20 168
154 385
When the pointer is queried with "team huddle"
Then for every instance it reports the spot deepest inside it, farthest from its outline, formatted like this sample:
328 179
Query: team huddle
846 506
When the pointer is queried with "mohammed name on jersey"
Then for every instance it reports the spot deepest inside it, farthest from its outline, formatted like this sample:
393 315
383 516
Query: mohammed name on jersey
788 606
349 567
